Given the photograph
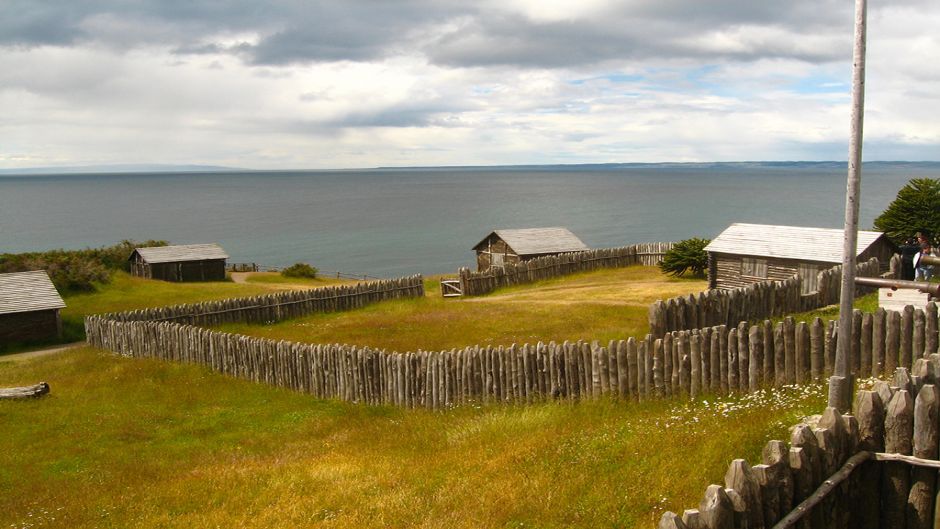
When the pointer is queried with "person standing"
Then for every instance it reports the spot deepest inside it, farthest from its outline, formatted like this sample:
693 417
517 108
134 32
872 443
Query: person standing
923 272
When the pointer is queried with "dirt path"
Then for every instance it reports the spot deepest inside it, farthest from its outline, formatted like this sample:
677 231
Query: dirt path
240 277
29 355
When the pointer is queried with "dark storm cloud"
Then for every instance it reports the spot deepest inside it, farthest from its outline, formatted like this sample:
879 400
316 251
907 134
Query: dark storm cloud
447 33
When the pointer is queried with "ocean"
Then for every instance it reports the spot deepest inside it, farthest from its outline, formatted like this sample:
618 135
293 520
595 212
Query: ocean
392 222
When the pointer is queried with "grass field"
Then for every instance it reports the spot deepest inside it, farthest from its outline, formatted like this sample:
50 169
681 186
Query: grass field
602 305
130 443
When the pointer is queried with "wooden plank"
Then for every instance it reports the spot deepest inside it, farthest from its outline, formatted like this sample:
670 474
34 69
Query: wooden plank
899 429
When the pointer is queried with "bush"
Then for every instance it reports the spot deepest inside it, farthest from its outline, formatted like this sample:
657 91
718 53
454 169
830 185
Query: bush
686 255
915 209
300 270
75 270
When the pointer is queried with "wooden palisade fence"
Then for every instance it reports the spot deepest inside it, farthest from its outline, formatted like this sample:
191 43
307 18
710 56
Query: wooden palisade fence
479 283
876 468
688 363
768 299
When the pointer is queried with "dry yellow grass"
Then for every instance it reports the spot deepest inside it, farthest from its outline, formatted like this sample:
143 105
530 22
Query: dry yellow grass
603 305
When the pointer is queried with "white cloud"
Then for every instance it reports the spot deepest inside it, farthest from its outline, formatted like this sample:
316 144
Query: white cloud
464 87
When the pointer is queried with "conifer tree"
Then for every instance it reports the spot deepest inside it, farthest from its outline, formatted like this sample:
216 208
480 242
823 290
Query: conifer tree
915 209
686 255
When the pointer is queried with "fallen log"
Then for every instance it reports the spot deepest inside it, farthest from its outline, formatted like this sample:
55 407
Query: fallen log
27 392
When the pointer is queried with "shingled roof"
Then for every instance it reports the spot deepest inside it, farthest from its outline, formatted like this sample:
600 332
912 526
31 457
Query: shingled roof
534 241
27 292
787 242
181 252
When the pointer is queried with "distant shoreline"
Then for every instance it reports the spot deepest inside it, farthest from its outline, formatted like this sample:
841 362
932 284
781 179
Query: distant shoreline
159 169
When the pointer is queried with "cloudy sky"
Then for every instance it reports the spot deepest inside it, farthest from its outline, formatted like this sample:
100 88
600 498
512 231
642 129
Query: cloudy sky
332 84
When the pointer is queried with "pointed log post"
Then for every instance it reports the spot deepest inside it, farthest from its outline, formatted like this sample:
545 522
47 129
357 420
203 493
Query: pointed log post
756 363
671 520
899 429
920 500
716 509
870 411
740 478
776 457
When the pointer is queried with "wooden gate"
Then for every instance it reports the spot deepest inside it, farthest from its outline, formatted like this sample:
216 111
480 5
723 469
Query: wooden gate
450 288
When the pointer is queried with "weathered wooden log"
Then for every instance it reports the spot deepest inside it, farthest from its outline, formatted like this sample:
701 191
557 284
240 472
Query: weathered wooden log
741 517
25 392
769 493
780 355
816 349
878 342
899 429
756 361
743 356
693 519
789 341
870 411
695 370
921 498
823 491
776 457
715 353
802 472
930 329
866 345
716 509
917 339
740 478
906 358
767 375
671 520
892 341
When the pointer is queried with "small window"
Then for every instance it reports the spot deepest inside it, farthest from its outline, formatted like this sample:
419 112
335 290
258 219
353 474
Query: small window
752 267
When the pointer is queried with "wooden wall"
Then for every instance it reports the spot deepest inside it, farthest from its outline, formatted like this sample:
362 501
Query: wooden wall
189 271
479 283
767 299
494 244
29 326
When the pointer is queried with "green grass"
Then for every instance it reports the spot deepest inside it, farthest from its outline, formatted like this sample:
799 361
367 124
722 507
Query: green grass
866 303
601 305
275 278
140 443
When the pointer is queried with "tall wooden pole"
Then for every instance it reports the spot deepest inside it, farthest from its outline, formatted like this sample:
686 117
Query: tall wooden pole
841 383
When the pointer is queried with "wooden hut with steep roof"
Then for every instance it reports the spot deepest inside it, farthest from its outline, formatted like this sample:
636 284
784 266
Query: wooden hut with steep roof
29 307
744 254
502 247
185 262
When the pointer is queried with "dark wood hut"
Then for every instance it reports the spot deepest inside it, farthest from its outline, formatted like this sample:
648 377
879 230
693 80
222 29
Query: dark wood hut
745 254
502 247
185 262
29 307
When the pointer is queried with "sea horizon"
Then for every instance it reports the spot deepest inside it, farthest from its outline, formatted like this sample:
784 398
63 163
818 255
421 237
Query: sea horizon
397 221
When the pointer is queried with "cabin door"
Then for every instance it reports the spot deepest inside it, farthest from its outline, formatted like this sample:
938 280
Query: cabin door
497 259
808 275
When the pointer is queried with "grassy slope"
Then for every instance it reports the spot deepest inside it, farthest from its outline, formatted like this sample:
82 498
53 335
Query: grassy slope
602 305
140 443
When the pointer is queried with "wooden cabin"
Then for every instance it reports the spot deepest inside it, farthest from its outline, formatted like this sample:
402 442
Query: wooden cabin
745 254
502 247
29 307
185 262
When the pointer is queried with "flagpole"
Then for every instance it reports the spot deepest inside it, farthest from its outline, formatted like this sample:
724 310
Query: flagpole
841 384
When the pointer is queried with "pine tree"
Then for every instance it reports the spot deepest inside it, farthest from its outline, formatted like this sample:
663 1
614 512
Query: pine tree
915 209
686 255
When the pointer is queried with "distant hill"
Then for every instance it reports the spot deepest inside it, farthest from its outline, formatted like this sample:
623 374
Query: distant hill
117 168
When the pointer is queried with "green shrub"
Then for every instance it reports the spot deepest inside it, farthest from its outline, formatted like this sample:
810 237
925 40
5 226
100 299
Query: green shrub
300 270
686 255
76 270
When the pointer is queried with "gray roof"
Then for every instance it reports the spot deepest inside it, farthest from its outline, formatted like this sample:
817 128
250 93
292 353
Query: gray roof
181 252
787 242
27 292
532 241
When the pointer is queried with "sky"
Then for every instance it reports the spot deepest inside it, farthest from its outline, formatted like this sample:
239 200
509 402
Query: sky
291 84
